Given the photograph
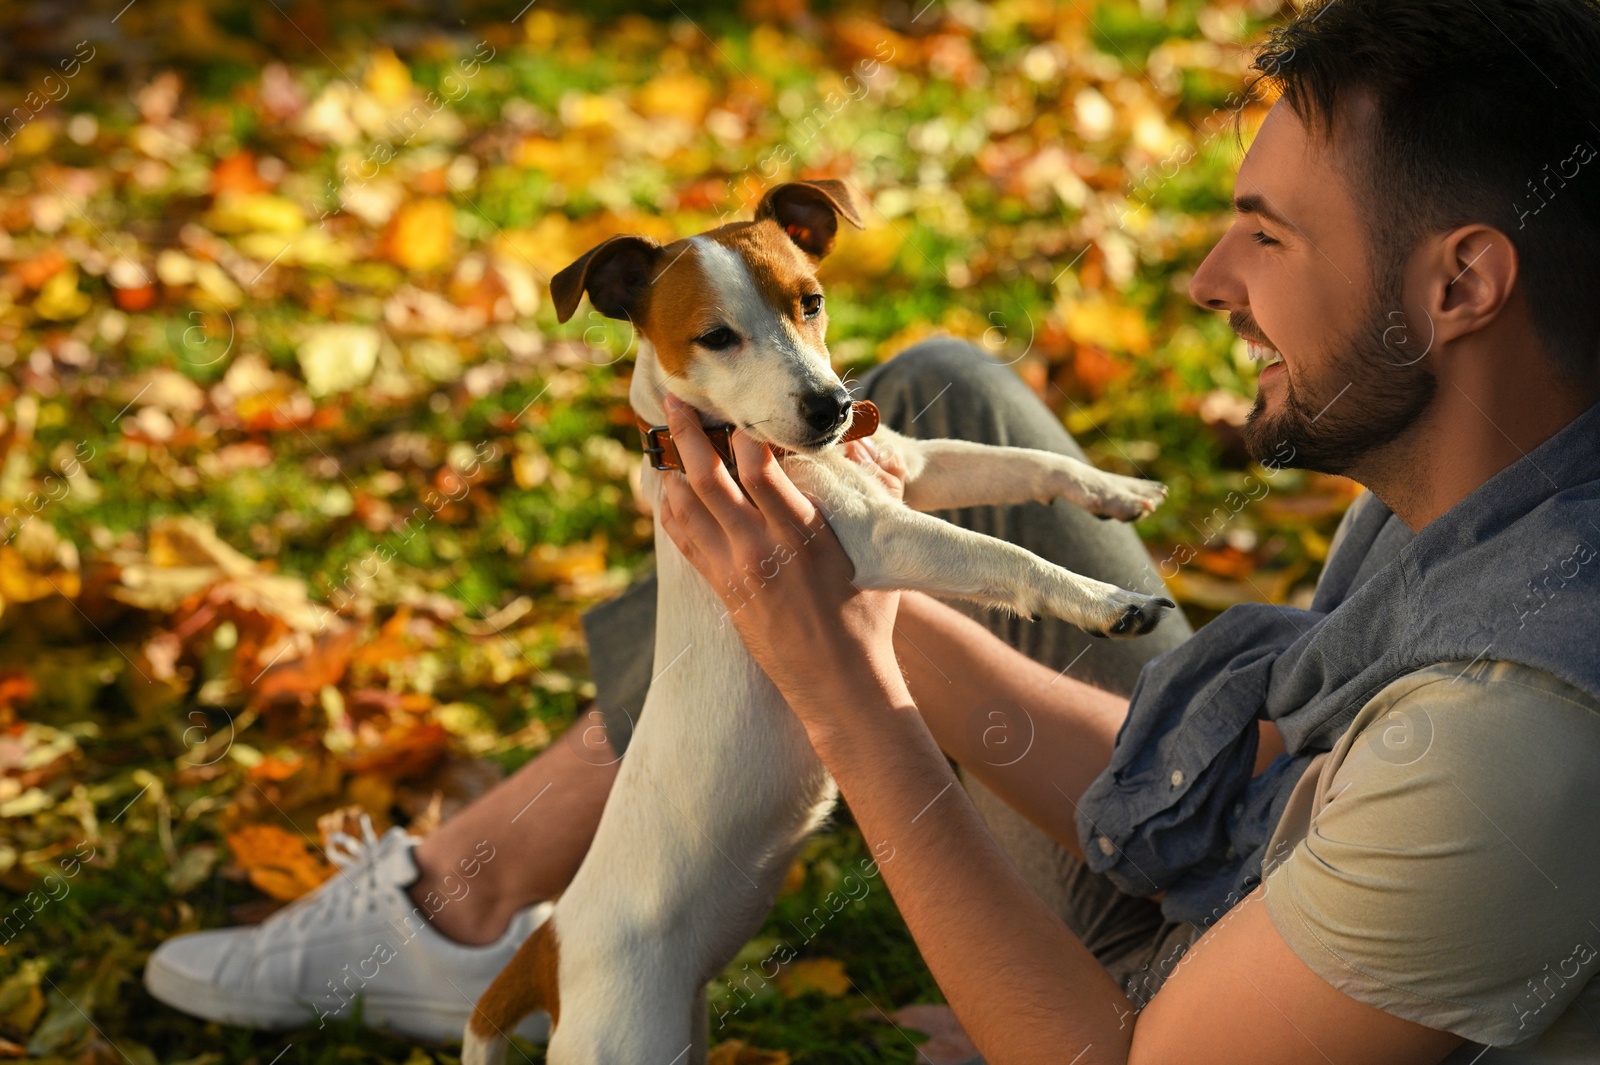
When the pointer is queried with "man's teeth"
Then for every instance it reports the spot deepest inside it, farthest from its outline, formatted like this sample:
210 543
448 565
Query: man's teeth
1262 353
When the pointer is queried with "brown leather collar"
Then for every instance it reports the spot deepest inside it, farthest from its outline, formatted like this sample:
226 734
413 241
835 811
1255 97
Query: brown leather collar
663 452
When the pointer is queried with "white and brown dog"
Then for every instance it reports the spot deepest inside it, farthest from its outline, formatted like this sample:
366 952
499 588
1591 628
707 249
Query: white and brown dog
720 785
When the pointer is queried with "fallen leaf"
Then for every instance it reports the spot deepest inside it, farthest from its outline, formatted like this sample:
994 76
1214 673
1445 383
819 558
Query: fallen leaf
421 235
279 863
338 357
255 212
60 299
737 1052
237 173
824 975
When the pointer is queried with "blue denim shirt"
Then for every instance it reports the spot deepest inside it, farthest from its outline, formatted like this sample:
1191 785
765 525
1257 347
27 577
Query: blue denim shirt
1177 808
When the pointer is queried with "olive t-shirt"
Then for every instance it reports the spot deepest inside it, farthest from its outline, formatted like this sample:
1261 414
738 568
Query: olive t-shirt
1442 862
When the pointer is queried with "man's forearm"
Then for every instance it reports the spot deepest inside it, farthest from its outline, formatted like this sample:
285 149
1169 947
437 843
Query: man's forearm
1035 737
1026 989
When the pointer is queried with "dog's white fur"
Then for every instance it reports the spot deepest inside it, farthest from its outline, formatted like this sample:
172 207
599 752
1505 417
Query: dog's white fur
720 785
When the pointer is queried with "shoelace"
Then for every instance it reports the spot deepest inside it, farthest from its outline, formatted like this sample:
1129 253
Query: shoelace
358 888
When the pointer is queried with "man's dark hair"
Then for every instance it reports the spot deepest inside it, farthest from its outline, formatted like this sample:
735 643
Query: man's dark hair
1484 111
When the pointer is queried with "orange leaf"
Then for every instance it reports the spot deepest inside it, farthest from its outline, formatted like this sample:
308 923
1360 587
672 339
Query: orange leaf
422 235
302 677
1225 561
237 173
34 272
275 769
278 862
15 688
402 752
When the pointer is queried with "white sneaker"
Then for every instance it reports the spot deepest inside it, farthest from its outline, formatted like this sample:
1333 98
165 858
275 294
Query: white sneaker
358 935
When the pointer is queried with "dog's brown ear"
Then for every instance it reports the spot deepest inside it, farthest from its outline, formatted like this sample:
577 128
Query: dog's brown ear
809 211
616 273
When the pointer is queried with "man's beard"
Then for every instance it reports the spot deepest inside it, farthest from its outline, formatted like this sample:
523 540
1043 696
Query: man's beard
1384 390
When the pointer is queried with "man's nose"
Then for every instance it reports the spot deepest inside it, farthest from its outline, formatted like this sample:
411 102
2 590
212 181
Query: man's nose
1216 284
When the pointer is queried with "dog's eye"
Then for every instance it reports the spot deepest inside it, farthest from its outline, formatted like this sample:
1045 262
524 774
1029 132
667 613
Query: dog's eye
718 339
811 305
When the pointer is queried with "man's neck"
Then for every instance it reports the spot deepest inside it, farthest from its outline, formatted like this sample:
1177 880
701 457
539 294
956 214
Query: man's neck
1482 420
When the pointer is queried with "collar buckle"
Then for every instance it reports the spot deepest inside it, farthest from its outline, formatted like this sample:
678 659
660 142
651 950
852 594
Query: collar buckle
655 446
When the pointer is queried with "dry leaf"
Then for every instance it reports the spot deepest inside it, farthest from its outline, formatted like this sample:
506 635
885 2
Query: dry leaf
402 751
825 975
422 235
338 357
278 862
736 1052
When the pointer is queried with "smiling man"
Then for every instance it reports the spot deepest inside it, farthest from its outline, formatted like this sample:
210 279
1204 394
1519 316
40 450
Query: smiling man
1358 833
1430 856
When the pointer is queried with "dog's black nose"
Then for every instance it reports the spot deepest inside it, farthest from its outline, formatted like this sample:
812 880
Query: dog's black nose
825 411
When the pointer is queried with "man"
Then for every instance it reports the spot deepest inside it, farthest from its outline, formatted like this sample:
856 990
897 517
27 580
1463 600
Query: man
1366 829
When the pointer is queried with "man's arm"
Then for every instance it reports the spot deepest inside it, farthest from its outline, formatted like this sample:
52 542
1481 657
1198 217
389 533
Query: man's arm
1040 757
1022 985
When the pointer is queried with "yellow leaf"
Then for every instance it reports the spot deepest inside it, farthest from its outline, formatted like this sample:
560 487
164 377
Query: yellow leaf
387 78
676 94
338 356
826 975
1108 325
422 235
571 160
255 212
736 1052
37 564
59 300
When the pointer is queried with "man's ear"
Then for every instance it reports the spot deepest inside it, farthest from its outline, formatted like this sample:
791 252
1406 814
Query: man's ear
1472 274
616 273
809 211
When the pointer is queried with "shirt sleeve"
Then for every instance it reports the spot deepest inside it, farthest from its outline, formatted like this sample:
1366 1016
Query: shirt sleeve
1450 873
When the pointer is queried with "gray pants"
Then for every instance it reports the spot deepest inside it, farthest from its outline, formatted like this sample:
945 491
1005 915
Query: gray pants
947 388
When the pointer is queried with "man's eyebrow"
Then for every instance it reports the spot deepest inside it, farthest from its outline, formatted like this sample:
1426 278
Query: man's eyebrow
1254 203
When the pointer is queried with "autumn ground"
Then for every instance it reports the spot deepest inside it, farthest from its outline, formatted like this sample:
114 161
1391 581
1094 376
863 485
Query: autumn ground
303 487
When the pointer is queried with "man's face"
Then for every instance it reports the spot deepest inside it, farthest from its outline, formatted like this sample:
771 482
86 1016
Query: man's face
1316 303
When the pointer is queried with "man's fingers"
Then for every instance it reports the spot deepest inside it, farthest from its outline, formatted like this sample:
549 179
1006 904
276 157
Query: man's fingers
685 518
703 467
779 501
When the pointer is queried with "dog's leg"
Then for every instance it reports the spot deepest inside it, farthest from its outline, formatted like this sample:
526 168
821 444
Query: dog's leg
526 984
947 474
893 547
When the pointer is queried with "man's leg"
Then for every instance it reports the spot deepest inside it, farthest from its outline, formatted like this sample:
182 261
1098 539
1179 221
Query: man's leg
562 794
562 791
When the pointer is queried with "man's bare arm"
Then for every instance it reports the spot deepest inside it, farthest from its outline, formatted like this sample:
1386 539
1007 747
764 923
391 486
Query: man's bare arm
1039 761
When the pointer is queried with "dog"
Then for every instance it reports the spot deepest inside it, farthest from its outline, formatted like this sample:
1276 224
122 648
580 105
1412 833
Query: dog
720 785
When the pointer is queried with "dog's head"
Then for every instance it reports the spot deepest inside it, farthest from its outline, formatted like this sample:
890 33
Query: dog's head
735 315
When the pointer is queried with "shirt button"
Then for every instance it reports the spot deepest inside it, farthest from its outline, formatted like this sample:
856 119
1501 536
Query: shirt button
1105 845
1177 778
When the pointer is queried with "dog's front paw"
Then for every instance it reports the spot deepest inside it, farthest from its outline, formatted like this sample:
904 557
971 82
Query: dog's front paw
1125 498
1125 615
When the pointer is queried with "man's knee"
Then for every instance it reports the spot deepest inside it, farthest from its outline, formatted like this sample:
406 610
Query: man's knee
946 386
939 361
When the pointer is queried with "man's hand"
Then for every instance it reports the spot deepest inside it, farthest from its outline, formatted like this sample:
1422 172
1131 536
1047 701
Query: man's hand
781 573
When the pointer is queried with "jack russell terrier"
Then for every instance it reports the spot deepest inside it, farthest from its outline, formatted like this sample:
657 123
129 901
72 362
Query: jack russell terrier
720 785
